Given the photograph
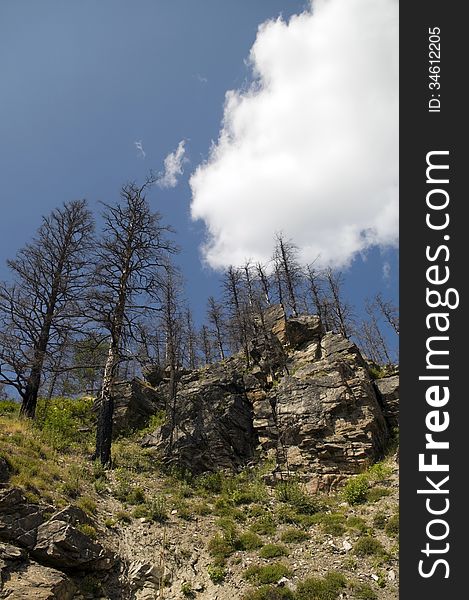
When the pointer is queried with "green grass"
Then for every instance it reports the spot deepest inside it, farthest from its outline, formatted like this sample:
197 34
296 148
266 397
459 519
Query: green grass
392 526
249 541
321 588
217 573
273 551
362 591
263 574
368 546
269 592
294 536
331 523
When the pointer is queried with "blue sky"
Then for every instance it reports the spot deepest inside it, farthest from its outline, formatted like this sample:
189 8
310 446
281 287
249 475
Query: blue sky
81 82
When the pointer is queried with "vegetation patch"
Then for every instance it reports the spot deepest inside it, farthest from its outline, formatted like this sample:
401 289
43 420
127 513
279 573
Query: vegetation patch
273 551
318 588
368 546
263 574
269 592
294 536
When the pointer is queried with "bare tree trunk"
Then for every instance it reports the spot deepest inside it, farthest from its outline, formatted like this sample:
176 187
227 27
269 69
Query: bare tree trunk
106 409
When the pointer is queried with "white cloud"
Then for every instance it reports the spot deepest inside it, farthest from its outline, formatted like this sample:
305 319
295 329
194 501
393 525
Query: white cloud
311 149
139 146
173 167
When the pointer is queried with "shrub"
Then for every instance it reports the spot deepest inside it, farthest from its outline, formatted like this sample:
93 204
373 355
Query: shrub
88 530
59 419
392 526
379 520
356 489
136 496
267 573
123 517
9 407
273 551
216 573
87 505
210 482
362 591
327 588
157 510
291 493
377 493
265 525
269 592
357 523
294 536
220 548
368 546
332 523
249 541
379 472
187 591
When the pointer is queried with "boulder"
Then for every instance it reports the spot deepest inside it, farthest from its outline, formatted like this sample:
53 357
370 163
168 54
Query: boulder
64 546
213 426
324 416
31 580
388 394
19 518
134 403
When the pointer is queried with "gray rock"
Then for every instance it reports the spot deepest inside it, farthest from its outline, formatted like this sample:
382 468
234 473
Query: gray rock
134 403
19 518
61 545
388 394
31 580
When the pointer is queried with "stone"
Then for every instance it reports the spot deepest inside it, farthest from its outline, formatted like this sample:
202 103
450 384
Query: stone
32 580
306 398
62 545
134 403
19 518
143 575
388 394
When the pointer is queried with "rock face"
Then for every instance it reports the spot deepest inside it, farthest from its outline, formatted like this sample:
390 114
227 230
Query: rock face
30 580
134 403
307 398
53 539
213 423
388 393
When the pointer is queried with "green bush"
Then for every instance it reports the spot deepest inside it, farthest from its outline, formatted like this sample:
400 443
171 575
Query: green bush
357 523
379 520
327 588
187 591
216 573
356 489
269 592
9 408
294 536
273 551
265 525
210 482
88 530
267 573
249 541
392 526
376 493
362 591
87 505
59 420
331 523
157 510
291 493
368 546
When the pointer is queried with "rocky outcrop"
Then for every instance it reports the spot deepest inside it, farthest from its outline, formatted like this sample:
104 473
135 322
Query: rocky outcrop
213 422
19 519
24 580
62 545
134 403
306 397
37 543
388 394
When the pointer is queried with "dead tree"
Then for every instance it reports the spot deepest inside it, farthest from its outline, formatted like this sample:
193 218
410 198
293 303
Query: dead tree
129 259
206 344
287 270
216 321
43 301
341 310
264 282
389 312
